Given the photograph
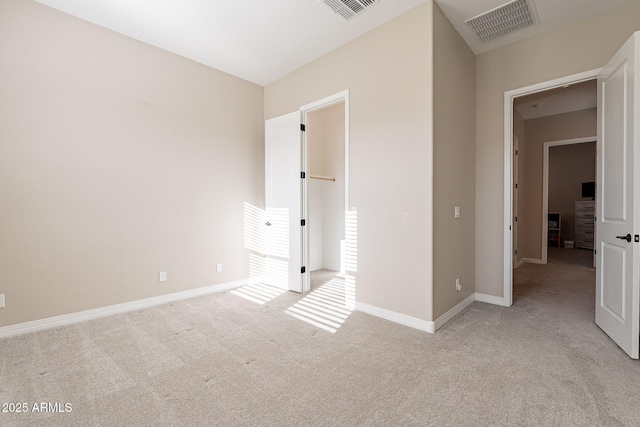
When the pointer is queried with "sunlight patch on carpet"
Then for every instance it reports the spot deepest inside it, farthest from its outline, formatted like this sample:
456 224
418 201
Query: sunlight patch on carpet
258 293
327 307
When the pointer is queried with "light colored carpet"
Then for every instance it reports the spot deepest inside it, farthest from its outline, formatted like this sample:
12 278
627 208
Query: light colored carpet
577 256
225 360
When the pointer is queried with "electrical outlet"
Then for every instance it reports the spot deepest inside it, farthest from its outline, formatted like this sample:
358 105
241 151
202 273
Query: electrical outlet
162 276
218 267
1 300
456 212
458 285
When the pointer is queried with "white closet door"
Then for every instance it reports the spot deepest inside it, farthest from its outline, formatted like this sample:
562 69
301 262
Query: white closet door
283 204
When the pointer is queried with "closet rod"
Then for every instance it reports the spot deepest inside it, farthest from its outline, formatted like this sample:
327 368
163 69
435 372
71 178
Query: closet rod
323 178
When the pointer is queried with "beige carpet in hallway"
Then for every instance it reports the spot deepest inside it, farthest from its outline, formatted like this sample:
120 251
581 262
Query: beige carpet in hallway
227 360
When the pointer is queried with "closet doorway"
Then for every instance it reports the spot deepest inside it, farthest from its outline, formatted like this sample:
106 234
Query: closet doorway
325 190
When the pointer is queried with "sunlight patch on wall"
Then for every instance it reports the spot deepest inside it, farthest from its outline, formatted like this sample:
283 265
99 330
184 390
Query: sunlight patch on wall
254 228
350 261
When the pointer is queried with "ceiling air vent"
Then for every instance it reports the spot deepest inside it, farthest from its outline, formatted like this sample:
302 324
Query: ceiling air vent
508 18
349 8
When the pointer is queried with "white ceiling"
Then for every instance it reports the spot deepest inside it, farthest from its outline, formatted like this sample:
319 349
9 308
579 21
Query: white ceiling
263 40
256 40
552 14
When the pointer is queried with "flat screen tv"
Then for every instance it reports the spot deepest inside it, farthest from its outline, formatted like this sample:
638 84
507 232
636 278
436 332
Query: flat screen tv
588 190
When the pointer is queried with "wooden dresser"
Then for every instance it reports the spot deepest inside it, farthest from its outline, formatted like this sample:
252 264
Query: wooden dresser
584 224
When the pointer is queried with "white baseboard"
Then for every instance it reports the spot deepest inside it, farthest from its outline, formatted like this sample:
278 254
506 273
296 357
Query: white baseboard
403 319
449 315
490 299
68 319
533 261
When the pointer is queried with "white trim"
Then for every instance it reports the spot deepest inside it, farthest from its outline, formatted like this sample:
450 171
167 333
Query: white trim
508 167
425 325
516 196
305 110
533 261
403 319
82 316
325 102
490 299
545 186
451 314
519 263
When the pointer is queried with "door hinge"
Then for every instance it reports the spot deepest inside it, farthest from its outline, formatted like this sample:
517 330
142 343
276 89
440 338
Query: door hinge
516 219
303 175
302 127
303 270
303 222
516 252
516 152
516 185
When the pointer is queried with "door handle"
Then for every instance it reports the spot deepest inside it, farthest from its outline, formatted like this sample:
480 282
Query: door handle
269 224
627 237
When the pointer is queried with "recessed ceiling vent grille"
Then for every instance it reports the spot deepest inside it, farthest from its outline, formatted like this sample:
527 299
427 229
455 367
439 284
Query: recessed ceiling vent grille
349 8
506 19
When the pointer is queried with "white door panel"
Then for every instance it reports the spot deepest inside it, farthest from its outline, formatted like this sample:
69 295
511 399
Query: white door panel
614 155
618 210
283 202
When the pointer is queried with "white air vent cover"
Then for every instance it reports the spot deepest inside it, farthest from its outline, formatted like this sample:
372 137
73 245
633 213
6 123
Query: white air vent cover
349 8
508 18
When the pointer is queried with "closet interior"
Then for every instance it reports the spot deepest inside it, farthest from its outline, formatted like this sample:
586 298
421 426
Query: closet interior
326 189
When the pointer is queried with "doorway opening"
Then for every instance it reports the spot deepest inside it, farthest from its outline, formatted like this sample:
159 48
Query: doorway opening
554 155
568 199
325 154
521 244
328 242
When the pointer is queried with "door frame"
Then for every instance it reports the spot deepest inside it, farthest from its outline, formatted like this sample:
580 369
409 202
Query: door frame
545 185
306 110
509 96
516 197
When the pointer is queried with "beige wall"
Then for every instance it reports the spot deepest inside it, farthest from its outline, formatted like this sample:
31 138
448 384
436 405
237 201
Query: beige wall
117 160
454 167
520 211
560 127
388 73
569 167
578 47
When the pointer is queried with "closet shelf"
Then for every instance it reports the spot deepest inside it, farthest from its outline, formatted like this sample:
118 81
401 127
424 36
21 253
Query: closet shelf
322 178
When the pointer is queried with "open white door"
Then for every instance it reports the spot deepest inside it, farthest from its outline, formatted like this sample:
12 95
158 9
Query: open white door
283 259
618 208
